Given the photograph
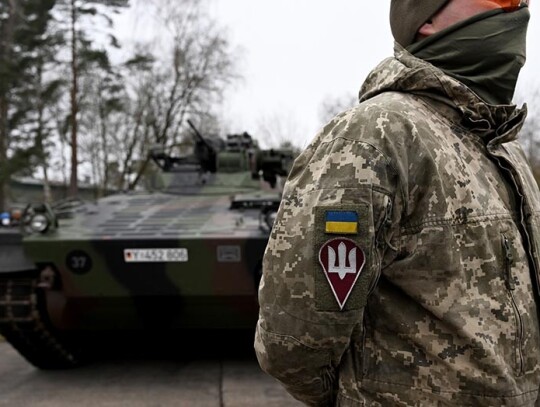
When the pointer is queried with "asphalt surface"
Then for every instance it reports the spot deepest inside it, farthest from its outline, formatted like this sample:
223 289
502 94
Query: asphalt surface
148 380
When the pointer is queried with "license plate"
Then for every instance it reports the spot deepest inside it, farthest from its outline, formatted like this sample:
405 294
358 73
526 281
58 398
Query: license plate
155 255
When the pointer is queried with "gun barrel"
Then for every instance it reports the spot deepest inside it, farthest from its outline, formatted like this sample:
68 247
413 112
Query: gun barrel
199 136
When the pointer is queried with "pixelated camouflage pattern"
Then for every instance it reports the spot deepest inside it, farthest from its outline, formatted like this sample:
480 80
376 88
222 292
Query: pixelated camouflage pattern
449 317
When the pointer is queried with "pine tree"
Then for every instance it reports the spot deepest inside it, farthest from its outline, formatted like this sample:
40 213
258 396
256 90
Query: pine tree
79 39
22 25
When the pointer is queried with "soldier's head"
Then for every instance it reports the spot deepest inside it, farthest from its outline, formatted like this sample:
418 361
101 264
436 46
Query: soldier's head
481 43
413 20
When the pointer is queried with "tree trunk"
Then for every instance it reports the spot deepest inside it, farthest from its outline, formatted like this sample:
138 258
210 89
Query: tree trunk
103 117
62 132
47 194
40 134
6 45
139 175
4 131
73 184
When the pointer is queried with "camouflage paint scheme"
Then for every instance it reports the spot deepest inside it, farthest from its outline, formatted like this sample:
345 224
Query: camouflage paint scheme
111 291
205 292
444 312
12 257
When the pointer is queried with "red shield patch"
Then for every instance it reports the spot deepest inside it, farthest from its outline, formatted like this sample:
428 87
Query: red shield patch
342 261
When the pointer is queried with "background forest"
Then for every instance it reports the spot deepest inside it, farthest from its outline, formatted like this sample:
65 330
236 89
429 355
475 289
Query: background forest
72 109
77 108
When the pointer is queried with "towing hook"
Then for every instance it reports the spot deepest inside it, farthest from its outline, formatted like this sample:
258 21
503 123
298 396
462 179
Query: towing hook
47 279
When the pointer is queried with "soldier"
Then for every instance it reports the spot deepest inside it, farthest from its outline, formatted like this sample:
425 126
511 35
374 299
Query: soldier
403 264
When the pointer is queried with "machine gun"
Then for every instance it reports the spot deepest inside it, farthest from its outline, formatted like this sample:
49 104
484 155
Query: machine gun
204 155
238 153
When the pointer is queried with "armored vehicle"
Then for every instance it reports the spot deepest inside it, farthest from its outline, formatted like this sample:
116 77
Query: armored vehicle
186 254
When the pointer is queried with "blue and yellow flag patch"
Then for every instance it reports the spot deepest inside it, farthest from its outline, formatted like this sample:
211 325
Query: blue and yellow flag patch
341 222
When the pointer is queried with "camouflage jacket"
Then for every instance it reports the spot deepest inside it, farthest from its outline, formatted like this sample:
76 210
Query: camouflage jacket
447 212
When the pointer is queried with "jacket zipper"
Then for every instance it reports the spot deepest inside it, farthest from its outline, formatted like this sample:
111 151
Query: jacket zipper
528 238
509 261
511 286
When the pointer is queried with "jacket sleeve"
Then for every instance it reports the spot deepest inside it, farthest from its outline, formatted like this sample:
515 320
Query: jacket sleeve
302 332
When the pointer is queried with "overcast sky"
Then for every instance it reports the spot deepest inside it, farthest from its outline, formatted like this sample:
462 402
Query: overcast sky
296 53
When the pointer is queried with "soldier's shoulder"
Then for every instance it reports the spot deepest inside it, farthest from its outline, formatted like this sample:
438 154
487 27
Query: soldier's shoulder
373 119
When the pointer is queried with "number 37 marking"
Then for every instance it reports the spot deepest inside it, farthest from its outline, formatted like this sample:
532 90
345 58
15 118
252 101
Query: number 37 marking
78 262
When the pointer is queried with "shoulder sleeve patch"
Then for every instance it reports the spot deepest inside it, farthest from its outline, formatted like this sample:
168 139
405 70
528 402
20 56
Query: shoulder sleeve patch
342 256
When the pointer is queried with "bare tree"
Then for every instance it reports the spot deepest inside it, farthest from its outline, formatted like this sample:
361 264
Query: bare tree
103 108
197 66
280 130
74 10
332 106
121 110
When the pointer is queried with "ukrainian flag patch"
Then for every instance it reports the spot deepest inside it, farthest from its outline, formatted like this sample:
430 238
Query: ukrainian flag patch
341 222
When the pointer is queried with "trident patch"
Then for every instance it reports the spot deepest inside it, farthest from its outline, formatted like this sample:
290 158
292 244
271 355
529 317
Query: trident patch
342 261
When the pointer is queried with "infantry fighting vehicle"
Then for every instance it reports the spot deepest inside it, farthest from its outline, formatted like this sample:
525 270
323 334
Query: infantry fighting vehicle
184 255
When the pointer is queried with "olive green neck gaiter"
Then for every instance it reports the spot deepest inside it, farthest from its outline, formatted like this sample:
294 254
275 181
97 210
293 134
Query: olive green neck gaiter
485 52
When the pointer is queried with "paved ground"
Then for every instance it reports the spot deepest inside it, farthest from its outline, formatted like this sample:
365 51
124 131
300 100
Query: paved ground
234 381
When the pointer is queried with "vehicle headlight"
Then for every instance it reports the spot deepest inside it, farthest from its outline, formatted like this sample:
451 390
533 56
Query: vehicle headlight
39 223
38 218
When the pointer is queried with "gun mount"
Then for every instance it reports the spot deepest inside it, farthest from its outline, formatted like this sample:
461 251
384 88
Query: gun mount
238 153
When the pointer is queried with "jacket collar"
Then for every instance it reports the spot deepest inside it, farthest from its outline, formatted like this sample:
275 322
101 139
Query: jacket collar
406 73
